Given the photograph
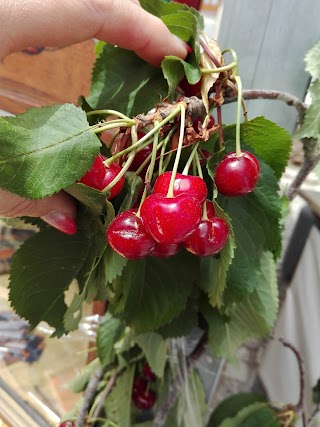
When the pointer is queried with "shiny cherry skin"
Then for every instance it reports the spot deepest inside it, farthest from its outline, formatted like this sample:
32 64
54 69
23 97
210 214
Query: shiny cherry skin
170 220
148 373
253 158
128 236
144 400
67 424
236 176
183 184
165 250
211 212
209 237
100 175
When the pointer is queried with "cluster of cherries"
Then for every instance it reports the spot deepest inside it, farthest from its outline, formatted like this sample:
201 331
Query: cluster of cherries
163 224
67 424
143 396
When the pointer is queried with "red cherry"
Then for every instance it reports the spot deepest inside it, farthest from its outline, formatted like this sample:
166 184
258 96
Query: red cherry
170 219
165 250
211 212
139 385
252 158
189 89
148 373
100 175
144 400
183 184
236 176
191 3
128 236
67 424
208 238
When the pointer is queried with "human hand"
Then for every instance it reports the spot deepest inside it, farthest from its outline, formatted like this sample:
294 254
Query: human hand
60 23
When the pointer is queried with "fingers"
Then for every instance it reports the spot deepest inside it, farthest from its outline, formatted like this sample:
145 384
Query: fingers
59 23
58 210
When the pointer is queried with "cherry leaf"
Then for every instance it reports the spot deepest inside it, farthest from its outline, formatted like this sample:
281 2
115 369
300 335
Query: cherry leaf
42 270
109 331
310 127
124 82
312 61
155 349
45 150
258 413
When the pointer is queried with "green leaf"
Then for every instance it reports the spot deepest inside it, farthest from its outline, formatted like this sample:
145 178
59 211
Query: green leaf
155 349
146 284
316 393
268 140
118 403
124 82
256 219
257 414
42 270
213 269
312 61
113 264
254 317
79 383
230 406
93 199
311 124
45 150
109 331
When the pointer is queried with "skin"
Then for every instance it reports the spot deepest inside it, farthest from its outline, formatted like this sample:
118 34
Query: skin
25 23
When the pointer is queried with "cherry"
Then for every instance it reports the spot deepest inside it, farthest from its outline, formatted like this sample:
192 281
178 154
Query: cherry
67 424
170 219
189 89
208 238
250 156
127 236
211 212
148 373
183 184
139 385
236 175
144 400
100 175
163 250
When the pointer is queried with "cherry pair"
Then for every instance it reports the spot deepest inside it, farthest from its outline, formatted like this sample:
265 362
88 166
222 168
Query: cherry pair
142 396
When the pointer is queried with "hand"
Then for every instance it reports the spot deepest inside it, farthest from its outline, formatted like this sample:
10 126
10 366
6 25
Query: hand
59 23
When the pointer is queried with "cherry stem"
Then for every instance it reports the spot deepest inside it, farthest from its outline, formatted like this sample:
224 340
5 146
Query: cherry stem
153 154
234 57
162 154
215 60
111 125
178 154
191 157
219 118
110 113
219 69
145 138
235 89
238 145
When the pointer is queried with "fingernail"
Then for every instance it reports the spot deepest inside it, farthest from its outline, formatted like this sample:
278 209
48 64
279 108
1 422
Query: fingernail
189 48
61 221
182 44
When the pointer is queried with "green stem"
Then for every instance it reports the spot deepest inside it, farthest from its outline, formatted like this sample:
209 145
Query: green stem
191 157
147 159
166 163
110 113
178 154
163 149
238 145
219 69
154 153
111 125
145 138
234 57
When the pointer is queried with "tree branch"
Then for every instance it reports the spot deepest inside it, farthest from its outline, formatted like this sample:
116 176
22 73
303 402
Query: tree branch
104 394
175 387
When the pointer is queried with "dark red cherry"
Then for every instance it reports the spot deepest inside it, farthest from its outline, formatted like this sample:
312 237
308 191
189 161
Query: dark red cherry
67 424
144 401
148 373
128 236
170 219
236 176
139 385
183 184
250 156
189 89
163 250
211 212
208 238
100 175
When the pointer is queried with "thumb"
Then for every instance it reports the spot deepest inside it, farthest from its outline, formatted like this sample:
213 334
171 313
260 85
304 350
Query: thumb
58 210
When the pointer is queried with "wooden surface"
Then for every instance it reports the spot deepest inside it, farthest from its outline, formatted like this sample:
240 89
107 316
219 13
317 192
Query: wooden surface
271 38
52 76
